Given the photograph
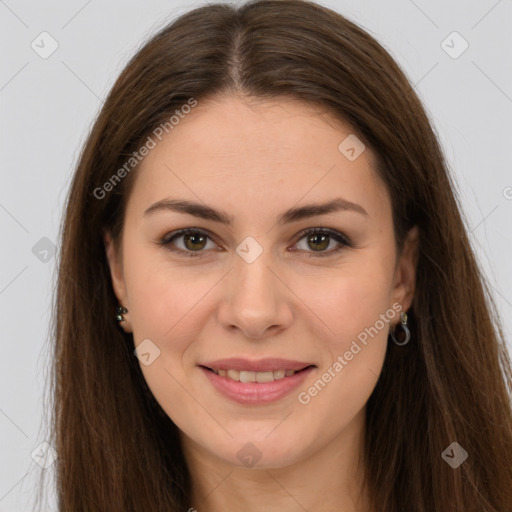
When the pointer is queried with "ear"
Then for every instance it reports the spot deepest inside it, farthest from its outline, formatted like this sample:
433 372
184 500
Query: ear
115 264
405 273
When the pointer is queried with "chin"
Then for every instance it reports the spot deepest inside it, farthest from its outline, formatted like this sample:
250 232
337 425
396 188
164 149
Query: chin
260 452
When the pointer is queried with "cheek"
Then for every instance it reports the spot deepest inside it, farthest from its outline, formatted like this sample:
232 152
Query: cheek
352 313
168 304
170 308
347 301
356 311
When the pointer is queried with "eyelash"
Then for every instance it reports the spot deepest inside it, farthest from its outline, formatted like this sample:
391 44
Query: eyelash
343 240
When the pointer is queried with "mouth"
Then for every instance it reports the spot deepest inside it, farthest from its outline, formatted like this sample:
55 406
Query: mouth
256 382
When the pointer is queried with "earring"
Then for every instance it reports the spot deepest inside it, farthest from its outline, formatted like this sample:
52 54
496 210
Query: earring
120 311
405 335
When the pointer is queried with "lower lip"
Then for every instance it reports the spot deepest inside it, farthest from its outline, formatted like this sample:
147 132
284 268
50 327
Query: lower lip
255 393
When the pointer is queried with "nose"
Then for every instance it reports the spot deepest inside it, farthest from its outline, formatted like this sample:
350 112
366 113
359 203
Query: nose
256 300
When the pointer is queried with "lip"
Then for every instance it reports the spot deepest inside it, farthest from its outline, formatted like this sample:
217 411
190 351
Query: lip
263 365
256 393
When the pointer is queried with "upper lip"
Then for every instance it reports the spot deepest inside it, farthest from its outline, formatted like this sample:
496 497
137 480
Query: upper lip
262 365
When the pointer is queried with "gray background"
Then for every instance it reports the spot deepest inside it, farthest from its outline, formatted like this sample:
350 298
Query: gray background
47 106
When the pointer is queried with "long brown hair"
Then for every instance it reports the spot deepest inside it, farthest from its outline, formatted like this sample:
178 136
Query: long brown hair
117 449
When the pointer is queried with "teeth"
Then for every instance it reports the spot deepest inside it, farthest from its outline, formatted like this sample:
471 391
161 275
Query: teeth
262 377
279 374
233 374
247 376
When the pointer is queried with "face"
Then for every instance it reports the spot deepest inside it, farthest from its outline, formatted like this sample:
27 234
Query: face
259 277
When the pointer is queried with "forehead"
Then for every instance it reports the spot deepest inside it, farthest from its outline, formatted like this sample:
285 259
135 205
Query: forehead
259 154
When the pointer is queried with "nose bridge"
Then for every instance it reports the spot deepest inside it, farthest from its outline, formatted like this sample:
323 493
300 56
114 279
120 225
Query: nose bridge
253 283
255 300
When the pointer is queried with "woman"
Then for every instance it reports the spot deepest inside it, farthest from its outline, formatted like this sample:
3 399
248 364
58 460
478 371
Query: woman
267 299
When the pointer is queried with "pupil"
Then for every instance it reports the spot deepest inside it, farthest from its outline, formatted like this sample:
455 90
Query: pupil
322 239
194 237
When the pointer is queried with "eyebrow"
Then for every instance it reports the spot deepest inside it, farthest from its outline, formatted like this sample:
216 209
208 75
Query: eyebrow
292 215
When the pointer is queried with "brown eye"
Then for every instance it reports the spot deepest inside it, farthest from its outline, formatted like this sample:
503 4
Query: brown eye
318 240
194 242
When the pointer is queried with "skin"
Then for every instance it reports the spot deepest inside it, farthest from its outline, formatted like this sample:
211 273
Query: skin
255 159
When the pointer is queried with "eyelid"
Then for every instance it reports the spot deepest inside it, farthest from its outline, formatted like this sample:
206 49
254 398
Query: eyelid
338 236
185 231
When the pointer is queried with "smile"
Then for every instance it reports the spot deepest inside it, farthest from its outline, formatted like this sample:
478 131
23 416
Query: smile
253 387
